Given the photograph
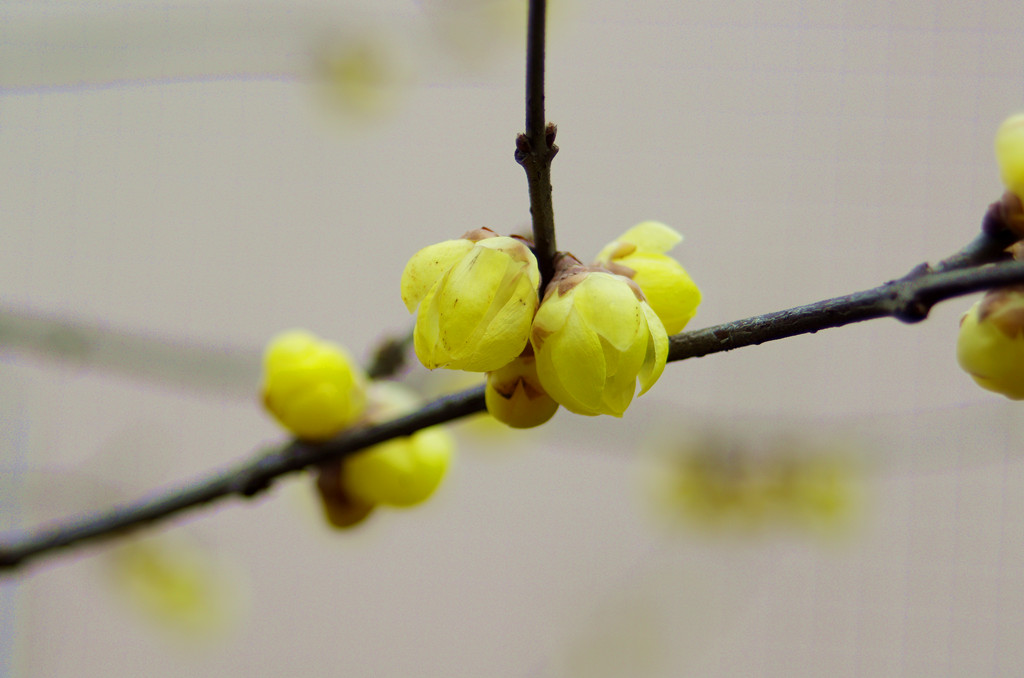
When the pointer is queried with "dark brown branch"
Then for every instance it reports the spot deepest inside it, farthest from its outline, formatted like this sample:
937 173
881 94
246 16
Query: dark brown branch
245 479
536 147
908 299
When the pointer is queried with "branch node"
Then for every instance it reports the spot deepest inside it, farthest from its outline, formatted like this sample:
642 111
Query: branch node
912 311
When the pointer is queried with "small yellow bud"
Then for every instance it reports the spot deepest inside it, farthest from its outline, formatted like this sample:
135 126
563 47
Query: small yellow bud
476 296
515 397
990 346
402 471
311 386
1010 153
399 472
639 254
594 336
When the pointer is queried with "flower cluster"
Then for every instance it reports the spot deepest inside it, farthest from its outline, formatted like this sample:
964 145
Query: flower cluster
313 389
597 332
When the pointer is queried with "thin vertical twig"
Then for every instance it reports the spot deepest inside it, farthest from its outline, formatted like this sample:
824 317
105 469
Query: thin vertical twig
536 147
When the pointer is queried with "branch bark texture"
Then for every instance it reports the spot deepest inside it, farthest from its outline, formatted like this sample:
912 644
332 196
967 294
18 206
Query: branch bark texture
536 147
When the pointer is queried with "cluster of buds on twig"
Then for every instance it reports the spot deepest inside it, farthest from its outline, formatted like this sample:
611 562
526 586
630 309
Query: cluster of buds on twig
584 344
315 390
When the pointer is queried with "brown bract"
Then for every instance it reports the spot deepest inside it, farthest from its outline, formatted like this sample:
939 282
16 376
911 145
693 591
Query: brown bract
570 272
478 234
1003 309
1012 213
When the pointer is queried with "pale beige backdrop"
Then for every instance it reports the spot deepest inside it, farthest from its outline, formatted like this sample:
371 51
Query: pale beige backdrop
168 168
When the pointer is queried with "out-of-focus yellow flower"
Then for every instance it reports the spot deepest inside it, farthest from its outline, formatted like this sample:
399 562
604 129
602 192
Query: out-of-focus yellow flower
515 397
176 583
721 482
361 77
593 337
1010 153
477 296
990 346
311 386
639 254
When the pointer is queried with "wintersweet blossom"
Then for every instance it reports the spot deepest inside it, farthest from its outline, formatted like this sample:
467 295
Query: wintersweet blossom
990 346
311 386
639 254
594 337
476 296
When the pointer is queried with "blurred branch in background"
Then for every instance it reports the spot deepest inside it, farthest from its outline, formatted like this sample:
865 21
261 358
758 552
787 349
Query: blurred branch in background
228 370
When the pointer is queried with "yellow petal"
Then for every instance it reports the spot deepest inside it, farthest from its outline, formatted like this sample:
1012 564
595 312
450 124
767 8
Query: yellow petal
426 333
571 366
668 288
506 333
427 266
657 352
609 306
477 317
647 236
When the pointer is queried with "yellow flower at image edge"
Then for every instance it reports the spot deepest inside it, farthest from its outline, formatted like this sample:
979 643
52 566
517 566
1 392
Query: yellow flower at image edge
639 254
990 346
311 386
476 296
594 337
1010 153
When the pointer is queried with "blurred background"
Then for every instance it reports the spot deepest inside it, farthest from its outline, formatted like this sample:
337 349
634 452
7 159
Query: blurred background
179 180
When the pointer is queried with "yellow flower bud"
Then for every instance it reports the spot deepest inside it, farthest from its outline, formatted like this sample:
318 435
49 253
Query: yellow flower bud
593 337
639 254
311 386
476 296
990 346
515 397
399 472
402 471
1010 153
